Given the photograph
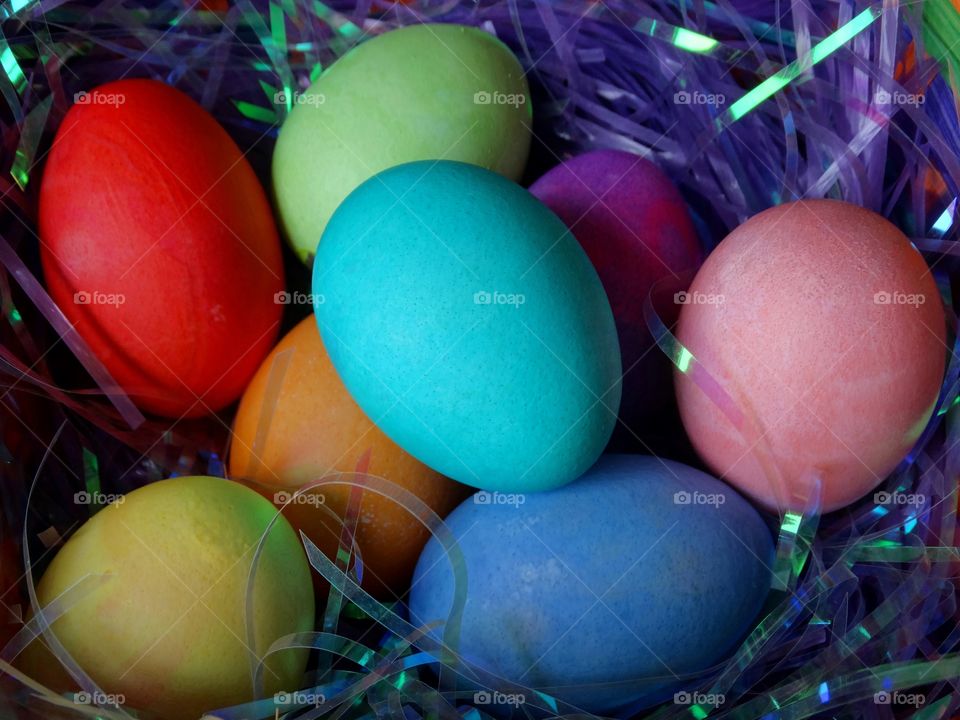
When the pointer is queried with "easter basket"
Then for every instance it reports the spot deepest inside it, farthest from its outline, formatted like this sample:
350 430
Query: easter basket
744 104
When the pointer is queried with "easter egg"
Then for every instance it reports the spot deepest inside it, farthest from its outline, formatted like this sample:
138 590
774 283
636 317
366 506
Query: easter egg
159 246
602 592
166 627
635 228
297 423
824 327
417 93
470 326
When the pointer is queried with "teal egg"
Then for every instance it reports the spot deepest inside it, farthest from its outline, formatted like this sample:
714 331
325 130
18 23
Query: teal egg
468 323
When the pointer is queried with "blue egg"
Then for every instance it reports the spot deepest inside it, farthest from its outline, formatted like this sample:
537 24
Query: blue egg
617 588
469 325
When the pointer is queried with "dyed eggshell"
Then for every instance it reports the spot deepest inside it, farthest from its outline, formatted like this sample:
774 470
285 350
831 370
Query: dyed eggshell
143 633
312 428
470 326
826 329
635 227
415 93
159 245
601 591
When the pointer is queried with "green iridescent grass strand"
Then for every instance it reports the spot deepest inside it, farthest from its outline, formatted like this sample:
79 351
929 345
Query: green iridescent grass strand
31 131
941 30
858 685
91 478
777 82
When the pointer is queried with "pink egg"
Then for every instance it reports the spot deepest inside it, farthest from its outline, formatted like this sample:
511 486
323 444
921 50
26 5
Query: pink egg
824 326
634 225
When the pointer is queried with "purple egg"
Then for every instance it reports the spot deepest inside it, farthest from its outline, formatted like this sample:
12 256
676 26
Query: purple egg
634 225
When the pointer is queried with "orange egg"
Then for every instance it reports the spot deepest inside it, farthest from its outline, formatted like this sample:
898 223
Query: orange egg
309 427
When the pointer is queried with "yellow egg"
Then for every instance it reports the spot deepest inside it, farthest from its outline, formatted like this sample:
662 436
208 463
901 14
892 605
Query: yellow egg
166 631
308 426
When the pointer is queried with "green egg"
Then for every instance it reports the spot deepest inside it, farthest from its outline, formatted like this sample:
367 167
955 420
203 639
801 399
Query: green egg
422 92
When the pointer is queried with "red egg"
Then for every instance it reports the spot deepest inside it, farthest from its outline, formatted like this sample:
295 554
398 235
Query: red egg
825 328
159 245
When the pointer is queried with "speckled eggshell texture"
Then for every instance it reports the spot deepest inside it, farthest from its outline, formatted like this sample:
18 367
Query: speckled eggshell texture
641 570
470 326
167 628
297 423
415 93
825 327
159 245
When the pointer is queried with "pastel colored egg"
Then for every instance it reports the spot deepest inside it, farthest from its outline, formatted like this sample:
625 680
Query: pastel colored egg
470 326
297 423
824 326
636 230
159 246
416 93
166 628
604 591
